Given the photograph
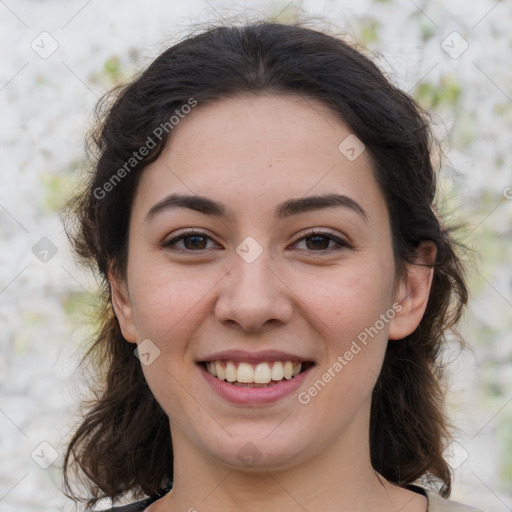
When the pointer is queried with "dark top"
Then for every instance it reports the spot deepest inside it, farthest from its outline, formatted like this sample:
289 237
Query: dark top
435 502
140 506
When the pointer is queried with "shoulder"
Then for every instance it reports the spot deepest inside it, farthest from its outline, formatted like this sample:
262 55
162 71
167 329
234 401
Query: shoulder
438 504
435 504
138 506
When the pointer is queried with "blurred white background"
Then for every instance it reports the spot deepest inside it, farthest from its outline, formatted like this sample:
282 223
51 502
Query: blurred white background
60 57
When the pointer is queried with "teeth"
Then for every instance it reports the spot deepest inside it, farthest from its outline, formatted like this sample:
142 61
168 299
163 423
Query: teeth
277 371
219 370
245 373
261 373
288 370
230 371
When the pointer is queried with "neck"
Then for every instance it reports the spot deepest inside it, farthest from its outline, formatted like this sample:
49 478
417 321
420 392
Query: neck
339 479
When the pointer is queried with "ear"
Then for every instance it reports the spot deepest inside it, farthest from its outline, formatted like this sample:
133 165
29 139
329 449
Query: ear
413 292
122 306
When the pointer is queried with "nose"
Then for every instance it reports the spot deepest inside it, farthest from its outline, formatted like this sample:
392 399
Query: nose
253 297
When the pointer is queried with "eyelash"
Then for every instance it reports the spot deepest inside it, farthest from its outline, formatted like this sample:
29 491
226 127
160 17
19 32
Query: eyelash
342 244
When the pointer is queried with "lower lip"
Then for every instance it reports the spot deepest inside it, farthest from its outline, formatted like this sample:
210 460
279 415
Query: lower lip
254 396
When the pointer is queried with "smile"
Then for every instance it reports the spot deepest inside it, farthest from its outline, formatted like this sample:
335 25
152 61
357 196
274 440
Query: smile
263 374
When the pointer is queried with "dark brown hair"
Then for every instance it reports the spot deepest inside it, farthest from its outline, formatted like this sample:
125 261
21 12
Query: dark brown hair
123 444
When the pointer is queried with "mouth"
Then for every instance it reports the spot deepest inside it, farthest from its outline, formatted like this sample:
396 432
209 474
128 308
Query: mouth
255 375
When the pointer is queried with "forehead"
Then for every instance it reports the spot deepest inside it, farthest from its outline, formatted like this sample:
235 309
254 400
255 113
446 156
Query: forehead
258 149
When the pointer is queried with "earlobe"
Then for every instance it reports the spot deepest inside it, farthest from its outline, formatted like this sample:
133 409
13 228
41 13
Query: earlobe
413 292
122 307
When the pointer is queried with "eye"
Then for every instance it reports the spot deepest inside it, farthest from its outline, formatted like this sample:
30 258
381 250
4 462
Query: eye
314 241
317 241
192 241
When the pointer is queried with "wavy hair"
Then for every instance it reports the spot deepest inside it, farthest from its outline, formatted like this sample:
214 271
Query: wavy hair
123 443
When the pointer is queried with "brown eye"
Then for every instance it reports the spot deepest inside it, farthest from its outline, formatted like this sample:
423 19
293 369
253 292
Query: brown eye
321 241
191 241
317 242
194 242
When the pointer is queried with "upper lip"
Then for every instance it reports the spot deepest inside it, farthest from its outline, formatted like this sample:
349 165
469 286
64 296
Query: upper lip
262 356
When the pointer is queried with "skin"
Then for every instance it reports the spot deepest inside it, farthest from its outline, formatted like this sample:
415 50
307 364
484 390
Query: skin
251 153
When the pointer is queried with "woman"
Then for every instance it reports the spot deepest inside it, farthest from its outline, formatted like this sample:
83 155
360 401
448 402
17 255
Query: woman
277 284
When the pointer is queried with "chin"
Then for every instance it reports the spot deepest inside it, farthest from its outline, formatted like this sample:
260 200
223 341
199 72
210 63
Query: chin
256 450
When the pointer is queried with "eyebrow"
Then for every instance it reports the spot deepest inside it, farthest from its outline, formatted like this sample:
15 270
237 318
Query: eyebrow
286 209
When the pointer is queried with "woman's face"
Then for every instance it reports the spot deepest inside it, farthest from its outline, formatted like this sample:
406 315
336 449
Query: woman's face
289 268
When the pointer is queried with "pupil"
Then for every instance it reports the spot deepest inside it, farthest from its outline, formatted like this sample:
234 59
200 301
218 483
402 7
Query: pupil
319 242
197 242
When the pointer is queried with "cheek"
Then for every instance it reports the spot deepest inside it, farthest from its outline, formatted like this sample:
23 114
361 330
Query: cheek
347 299
349 308
169 306
167 302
